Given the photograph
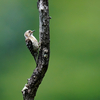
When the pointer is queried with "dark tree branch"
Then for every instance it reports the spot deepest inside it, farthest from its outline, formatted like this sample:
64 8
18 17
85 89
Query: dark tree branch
30 89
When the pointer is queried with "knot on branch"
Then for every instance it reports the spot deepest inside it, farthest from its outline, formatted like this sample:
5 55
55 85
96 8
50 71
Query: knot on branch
45 52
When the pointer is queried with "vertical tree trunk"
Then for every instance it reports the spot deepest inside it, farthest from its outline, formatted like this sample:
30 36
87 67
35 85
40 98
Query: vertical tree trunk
30 89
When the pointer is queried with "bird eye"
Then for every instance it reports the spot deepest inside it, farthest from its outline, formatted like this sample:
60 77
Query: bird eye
29 31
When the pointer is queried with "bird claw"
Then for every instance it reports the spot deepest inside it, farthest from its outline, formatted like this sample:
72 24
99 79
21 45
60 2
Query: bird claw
39 44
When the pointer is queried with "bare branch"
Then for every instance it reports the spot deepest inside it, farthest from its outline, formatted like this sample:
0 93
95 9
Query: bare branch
30 89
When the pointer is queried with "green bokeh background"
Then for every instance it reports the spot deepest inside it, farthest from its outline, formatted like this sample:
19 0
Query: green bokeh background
74 67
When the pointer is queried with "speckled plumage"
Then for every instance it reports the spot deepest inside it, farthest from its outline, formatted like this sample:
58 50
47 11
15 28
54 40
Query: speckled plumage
31 43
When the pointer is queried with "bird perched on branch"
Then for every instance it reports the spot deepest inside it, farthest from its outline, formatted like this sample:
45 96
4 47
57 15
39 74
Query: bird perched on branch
31 43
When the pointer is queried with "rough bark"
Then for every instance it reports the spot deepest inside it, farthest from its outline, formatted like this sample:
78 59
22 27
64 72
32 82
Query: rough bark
30 89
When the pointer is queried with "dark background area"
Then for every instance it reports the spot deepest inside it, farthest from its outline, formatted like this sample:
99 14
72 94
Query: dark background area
74 67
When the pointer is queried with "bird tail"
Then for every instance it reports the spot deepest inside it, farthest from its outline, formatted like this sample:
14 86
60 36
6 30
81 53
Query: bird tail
35 55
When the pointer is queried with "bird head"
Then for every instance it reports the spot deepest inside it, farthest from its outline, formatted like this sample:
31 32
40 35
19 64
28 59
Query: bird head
28 33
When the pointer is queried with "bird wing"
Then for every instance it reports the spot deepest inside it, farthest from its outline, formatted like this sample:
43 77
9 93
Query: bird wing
31 48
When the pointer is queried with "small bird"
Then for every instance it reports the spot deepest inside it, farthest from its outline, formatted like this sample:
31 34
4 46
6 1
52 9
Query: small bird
31 43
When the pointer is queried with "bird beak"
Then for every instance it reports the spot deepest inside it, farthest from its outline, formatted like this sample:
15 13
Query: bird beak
33 31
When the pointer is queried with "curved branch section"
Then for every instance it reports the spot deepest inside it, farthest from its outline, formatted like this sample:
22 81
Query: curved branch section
30 89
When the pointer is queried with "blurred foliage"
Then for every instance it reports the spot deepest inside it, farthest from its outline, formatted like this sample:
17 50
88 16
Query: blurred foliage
74 68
